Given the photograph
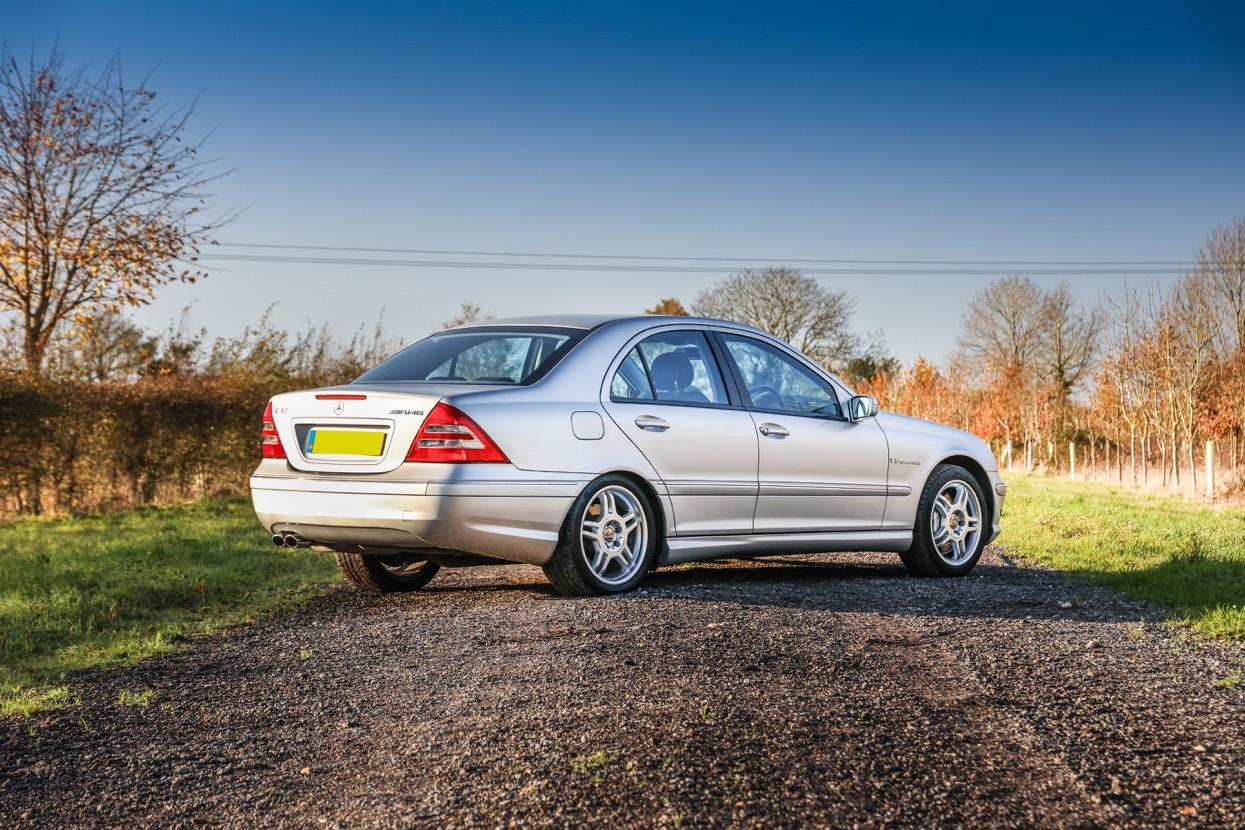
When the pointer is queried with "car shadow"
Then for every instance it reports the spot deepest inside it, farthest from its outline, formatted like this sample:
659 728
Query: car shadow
756 570
994 590
764 570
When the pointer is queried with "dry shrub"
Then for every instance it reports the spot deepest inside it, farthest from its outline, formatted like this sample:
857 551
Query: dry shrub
79 446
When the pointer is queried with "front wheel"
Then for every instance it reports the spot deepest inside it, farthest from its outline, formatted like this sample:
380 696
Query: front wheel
950 525
608 540
386 573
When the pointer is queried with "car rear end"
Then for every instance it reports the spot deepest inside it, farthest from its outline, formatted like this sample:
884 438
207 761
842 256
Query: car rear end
384 470
397 462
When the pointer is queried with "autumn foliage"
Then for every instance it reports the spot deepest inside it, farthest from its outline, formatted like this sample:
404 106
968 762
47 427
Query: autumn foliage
101 193
1134 386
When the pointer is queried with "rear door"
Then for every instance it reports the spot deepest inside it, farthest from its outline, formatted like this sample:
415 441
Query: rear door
817 470
669 397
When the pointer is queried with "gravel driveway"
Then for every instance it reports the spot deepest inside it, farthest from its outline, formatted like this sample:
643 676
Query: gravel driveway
823 690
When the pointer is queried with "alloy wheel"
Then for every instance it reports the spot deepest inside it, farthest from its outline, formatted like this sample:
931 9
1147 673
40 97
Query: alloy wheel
955 522
614 534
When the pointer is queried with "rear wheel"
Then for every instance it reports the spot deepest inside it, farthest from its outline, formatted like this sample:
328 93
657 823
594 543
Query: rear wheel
608 540
950 524
387 573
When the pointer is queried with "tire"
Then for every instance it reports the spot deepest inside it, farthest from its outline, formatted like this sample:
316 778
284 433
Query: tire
386 574
943 542
623 553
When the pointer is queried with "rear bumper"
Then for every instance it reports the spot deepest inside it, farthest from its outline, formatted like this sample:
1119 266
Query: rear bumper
514 520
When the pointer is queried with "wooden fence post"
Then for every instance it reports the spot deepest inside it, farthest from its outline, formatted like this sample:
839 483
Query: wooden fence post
1071 459
1210 468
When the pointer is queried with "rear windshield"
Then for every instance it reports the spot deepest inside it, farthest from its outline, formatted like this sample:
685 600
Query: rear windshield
479 355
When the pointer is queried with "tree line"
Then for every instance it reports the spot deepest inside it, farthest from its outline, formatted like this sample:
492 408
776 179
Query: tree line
1137 383
1132 386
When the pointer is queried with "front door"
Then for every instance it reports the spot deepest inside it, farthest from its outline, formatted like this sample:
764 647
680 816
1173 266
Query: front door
817 470
668 397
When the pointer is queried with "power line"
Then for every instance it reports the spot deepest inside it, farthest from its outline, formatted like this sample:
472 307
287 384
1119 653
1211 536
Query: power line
1181 264
867 267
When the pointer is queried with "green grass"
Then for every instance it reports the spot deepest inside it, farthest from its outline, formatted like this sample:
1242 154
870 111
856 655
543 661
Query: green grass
1186 558
92 592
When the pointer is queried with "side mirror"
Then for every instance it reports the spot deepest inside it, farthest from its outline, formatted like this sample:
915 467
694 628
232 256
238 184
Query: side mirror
862 406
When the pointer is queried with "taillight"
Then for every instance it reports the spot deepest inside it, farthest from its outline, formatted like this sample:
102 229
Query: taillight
270 442
449 436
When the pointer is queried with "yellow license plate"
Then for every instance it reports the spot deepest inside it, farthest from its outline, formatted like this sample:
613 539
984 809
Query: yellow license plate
345 442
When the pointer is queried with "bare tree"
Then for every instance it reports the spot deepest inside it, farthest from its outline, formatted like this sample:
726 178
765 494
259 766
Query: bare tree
1221 269
104 346
1005 325
1070 344
100 194
1193 307
789 305
1132 385
1071 335
1002 334
1221 265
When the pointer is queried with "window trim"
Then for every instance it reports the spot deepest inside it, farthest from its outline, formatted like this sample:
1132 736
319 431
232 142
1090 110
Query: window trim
728 381
647 377
719 335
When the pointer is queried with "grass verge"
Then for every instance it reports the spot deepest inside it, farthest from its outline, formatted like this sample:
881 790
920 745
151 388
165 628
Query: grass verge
91 592
1183 557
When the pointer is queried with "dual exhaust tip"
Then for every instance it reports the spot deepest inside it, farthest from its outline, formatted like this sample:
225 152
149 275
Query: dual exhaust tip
289 540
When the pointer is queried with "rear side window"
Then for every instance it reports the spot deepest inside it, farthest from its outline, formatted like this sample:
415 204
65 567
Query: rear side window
677 367
478 355
631 381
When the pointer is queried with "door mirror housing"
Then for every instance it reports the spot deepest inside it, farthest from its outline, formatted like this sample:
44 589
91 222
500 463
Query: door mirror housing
862 406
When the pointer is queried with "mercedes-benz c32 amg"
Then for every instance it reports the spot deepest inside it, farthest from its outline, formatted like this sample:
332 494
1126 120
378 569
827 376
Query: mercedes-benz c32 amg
600 448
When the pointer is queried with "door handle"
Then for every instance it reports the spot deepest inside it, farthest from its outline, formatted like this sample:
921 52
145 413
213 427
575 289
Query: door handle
773 430
652 422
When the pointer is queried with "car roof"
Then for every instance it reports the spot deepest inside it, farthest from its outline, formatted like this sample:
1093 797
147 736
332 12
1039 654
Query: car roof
593 321
566 321
628 325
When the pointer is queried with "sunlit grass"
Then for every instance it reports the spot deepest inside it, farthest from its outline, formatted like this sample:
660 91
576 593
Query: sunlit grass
1186 559
86 593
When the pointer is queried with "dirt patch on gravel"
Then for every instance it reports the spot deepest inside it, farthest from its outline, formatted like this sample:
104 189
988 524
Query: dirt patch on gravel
824 690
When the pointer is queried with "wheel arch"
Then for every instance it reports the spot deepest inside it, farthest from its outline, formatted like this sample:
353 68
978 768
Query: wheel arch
564 572
659 504
978 472
654 499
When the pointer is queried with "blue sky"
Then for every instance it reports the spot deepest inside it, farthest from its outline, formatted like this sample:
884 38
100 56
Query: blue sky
1078 131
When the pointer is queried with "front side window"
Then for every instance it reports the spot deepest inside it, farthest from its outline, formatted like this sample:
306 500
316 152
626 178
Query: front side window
777 382
478 355
681 368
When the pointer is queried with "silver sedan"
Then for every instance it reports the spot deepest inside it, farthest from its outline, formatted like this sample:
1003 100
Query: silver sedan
602 447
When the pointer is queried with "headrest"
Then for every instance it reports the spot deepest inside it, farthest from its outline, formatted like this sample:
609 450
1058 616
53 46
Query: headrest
672 371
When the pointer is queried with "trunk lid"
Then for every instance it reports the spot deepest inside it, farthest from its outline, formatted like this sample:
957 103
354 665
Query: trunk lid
353 429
